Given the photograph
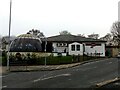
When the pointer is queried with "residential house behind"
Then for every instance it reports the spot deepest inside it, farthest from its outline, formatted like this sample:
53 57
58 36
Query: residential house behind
5 42
74 45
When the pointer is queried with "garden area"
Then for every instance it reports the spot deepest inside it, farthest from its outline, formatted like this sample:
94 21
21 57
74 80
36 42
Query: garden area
49 60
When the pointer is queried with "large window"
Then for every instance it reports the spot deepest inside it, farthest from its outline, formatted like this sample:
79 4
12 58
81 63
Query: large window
73 47
78 47
26 45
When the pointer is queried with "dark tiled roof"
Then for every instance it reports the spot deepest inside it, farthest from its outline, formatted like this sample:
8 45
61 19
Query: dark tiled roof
71 38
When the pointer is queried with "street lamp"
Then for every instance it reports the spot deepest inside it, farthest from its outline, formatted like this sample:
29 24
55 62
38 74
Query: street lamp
45 49
9 36
118 65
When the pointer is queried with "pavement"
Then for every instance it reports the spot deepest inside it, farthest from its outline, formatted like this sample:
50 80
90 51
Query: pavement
105 84
3 69
114 85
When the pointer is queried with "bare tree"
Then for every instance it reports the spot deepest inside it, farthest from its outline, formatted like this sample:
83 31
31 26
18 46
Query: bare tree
115 30
82 35
94 36
36 32
5 41
65 32
108 38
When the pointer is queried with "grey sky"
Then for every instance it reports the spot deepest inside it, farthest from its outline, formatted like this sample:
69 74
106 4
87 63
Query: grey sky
53 16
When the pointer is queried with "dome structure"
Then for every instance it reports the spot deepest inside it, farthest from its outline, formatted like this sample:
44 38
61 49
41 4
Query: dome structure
26 43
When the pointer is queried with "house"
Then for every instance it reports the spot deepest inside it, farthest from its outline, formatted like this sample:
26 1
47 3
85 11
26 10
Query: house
5 41
74 45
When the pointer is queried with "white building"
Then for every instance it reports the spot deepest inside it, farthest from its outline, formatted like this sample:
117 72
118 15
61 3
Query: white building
75 45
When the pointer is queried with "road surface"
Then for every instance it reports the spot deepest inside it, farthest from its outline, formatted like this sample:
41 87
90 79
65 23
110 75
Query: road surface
82 76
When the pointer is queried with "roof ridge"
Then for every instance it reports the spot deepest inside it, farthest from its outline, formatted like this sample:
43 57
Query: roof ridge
72 38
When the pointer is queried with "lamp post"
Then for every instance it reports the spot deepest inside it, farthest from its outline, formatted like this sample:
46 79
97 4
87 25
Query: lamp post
118 65
45 49
9 36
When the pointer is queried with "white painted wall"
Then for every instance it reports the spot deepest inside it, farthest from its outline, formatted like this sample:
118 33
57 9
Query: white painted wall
56 54
76 52
96 49
54 47
88 49
59 49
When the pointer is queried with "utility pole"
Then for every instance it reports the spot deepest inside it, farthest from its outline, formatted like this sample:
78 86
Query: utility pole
9 36
45 50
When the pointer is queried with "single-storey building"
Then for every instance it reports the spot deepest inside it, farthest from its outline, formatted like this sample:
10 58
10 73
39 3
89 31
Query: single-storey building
73 45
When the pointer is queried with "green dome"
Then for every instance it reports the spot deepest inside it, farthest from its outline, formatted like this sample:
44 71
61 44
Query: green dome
26 43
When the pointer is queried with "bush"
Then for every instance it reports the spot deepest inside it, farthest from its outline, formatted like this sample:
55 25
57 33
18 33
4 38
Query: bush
4 58
54 60
66 60
50 60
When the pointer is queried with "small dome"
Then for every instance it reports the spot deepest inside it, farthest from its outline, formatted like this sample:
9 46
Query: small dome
26 43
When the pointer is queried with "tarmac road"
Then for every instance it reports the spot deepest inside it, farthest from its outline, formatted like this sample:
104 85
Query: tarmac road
82 76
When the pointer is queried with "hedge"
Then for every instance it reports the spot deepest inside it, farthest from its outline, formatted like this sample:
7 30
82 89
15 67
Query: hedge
4 58
50 60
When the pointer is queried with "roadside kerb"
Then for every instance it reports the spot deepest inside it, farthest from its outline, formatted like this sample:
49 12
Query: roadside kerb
43 68
101 84
48 67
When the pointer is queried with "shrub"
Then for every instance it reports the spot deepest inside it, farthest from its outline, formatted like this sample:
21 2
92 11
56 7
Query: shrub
50 60
66 60
4 58
54 60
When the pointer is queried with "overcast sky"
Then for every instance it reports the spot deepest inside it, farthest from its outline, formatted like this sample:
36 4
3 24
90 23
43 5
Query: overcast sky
52 16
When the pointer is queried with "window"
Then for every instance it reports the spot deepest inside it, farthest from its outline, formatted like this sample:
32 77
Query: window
73 47
61 44
65 44
57 44
78 47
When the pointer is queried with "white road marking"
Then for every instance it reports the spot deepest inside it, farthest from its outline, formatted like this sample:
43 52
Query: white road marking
109 62
93 82
96 61
4 86
91 62
52 77
81 69
88 69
